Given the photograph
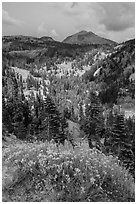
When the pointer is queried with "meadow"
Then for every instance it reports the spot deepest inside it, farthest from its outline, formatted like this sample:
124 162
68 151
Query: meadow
43 172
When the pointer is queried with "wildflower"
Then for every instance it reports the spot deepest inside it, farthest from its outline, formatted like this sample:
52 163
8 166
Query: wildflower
16 161
92 180
40 155
77 170
105 172
31 163
82 189
68 178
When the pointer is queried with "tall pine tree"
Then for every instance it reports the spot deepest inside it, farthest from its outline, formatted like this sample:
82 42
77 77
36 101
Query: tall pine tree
121 145
93 122
52 124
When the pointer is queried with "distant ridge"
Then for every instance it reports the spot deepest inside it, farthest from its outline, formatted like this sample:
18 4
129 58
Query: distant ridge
46 38
81 38
23 37
84 37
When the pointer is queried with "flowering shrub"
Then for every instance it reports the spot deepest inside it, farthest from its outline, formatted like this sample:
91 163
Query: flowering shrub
44 172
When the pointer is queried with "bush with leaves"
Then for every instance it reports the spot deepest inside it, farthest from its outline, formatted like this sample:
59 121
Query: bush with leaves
43 172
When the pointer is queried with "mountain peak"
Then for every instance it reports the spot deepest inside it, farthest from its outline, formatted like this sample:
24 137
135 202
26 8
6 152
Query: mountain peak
85 37
86 32
83 32
46 38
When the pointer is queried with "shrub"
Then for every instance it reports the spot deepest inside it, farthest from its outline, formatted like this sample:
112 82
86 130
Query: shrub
44 172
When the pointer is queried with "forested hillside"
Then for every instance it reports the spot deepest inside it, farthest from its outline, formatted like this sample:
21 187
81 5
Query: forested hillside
68 124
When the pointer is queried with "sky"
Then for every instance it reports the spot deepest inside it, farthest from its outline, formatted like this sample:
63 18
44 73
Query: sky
112 20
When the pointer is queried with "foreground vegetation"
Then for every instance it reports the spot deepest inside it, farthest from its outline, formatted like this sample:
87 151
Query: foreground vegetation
44 172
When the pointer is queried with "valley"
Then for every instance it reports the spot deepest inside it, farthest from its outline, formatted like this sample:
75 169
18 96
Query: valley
68 119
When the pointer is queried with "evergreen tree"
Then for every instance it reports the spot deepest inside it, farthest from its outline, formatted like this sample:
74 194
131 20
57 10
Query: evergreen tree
51 122
118 133
130 134
80 112
16 113
21 118
67 113
37 111
93 122
121 145
51 118
6 117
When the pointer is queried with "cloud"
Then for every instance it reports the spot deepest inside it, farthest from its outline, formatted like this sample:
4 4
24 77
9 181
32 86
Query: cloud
45 30
74 4
113 20
112 15
117 16
75 9
41 28
54 33
105 19
8 20
83 15
62 5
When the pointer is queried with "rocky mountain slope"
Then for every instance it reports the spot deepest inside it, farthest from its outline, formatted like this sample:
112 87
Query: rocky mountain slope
85 37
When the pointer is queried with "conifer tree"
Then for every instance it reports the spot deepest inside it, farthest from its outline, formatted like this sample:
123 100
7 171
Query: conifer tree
6 119
51 121
121 145
80 112
16 111
118 133
36 115
93 123
21 118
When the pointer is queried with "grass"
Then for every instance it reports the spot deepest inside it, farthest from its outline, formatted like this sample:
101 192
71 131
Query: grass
42 172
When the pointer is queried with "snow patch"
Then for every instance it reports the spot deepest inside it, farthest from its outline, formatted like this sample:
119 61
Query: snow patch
23 72
97 72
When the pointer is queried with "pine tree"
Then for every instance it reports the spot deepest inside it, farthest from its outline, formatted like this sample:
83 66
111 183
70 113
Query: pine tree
37 111
51 118
80 112
93 123
51 121
6 119
15 85
130 135
21 118
27 117
118 133
121 145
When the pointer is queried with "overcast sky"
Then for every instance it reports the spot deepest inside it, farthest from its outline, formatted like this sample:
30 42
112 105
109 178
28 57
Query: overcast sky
115 21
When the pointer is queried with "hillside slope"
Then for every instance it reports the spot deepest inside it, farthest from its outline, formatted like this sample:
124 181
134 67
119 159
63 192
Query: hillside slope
85 37
41 172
